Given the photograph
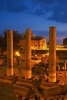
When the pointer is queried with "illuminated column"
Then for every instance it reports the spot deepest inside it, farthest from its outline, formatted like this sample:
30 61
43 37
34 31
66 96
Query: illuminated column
52 54
65 66
28 73
58 67
9 52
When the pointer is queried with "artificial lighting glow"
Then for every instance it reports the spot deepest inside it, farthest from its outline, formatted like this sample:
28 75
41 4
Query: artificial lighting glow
47 53
17 53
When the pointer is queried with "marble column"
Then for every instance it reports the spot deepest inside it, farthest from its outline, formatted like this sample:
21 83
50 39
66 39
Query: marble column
65 67
58 67
52 54
28 71
9 52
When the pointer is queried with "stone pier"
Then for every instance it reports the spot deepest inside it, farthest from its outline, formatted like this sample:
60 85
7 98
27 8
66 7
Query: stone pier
28 71
52 54
9 52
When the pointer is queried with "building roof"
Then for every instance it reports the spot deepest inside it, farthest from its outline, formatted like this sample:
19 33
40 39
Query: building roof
35 38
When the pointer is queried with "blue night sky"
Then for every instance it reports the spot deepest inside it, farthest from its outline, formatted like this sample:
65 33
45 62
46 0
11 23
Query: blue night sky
38 15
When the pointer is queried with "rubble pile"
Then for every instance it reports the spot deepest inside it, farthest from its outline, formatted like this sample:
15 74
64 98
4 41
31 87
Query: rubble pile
16 88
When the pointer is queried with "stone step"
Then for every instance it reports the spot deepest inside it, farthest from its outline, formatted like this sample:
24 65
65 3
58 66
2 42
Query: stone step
7 92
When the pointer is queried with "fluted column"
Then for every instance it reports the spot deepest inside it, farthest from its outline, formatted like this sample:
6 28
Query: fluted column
28 72
9 52
52 54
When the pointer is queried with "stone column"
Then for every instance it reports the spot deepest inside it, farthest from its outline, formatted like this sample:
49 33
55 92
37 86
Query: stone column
9 52
58 67
52 54
65 66
28 72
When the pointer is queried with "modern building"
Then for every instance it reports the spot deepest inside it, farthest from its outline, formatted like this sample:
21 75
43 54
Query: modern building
37 42
65 41
40 46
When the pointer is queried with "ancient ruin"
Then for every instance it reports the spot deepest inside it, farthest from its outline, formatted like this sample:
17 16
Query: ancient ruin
29 86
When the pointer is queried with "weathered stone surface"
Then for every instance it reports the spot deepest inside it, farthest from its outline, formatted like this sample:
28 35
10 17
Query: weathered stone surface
53 89
7 92
6 88
11 88
27 87
10 80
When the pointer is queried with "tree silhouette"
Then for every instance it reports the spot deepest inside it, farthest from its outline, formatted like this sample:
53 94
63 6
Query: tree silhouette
16 38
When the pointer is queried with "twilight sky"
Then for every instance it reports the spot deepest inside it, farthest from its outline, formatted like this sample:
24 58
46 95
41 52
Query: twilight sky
38 15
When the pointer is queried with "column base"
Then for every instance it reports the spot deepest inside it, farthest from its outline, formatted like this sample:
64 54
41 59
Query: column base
28 74
52 77
9 71
12 71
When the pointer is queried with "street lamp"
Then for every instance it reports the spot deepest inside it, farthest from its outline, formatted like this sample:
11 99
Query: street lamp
17 56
